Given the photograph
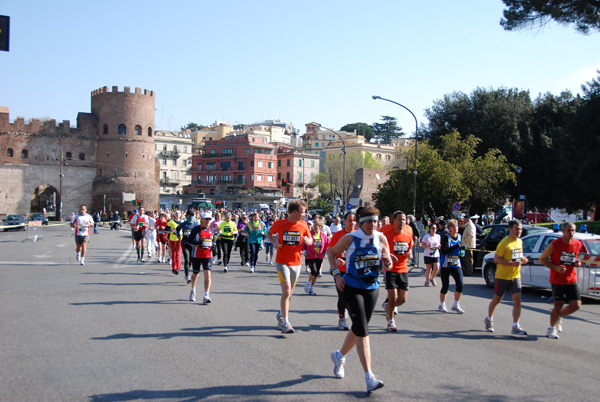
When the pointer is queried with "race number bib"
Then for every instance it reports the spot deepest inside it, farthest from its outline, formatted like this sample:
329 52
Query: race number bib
400 247
291 238
318 245
517 254
206 244
366 263
567 258
453 260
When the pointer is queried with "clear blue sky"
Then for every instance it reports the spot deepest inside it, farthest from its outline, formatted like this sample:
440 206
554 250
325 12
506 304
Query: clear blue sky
302 61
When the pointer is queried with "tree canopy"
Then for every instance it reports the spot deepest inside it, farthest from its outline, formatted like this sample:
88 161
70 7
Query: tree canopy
193 126
520 14
388 129
354 160
363 129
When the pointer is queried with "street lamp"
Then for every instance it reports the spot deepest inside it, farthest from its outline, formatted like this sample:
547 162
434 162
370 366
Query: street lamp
518 170
375 97
344 164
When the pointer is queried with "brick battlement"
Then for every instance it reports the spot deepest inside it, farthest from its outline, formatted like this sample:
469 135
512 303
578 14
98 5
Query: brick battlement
35 125
126 90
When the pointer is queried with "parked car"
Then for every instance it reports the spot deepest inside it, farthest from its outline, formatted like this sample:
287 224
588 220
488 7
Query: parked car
15 222
492 234
39 217
537 275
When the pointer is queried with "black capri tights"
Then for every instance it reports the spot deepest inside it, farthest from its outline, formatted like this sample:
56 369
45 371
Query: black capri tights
456 273
361 304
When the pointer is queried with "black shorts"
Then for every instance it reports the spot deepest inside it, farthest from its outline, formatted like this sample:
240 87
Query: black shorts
206 264
81 239
139 234
395 280
504 285
315 265
566 292
431 260
361 304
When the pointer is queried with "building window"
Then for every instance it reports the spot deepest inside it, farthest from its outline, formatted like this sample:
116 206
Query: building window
299 177
199 167
108 154
251 177
312 177
184 163
316 145
227 151
270 178
240 165
24 154
122 129
300 162
388 157
287 176
270 165
210 166
164 161
149 131
165 147
225 165
259 164
174 162
81 156
251 163
126 154
185 148
259 177
246 150
213 151
288 162
278 176
174 176
105 129
9 152
68 156
279 163
312 163
138 130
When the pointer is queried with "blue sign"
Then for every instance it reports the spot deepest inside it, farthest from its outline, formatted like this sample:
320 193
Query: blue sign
456 206
348 207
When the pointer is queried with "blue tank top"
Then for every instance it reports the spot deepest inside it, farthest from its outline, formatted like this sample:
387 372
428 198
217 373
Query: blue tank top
363 261
452 259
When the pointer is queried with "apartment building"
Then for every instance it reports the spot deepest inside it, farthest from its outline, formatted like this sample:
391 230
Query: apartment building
174 153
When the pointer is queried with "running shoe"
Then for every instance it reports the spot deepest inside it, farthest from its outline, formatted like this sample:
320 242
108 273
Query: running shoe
456 308
489 325
391 327
552 333
271 262
219 262
338 364
192 295
247 264
206 300
320 274
342 324
373 384
384 306
427 284
559 325
142 259
225 269
188 279
433 283
517 330
307 287
311 291
78 257
287 329
81 262
442 308
279 320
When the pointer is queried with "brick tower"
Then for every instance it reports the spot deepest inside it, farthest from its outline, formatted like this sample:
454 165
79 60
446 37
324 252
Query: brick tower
126 162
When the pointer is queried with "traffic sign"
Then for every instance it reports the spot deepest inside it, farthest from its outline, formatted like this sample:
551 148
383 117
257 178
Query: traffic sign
456 206
348 207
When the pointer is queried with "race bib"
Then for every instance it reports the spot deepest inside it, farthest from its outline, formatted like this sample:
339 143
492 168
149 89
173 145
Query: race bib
453 260
186 233
206 244
366 263
517 254
318 245
400 247
291 238
227 229
567 258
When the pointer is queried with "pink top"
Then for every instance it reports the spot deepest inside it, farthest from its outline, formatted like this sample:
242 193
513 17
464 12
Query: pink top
318 248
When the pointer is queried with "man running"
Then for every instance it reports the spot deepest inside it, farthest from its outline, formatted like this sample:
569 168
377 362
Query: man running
508 258
139 223
82 222
202 238
561 257
400 240
291 233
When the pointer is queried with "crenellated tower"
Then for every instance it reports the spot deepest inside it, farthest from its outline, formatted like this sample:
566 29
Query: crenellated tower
126 162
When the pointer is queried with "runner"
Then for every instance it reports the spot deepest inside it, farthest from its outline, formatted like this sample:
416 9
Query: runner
175 242
227 231
400 237
151 234
81 223
215 226
291 233
451 249
162 234
561 257
349 227
202 238
254 229
185 228
366 251
508 258
268 244
315 254
431 243
140 223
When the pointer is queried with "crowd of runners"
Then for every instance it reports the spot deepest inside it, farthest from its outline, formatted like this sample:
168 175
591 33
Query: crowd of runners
359 247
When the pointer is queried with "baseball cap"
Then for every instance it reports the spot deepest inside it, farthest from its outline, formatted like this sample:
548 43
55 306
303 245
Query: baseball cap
206 215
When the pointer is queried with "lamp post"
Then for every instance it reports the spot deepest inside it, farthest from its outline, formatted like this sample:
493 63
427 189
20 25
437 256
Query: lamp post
343 166
518 170
375 97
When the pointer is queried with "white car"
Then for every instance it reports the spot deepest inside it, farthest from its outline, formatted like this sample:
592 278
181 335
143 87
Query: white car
537 275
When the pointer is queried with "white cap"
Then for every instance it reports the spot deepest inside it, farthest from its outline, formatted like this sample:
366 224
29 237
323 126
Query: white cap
206 215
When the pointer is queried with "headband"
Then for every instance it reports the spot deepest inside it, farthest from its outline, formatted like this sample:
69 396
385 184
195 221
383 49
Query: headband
368 218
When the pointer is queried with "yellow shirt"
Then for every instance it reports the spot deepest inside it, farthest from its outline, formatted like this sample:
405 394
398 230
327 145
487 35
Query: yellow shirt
173 235
510 250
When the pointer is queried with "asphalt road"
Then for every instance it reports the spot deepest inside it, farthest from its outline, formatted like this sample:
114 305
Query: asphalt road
113 330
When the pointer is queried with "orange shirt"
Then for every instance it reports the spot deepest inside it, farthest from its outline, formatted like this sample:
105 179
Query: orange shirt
400 244
334 239
289 235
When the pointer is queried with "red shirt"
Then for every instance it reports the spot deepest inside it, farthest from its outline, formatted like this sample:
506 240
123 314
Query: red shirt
289 236
564 254
334 239
400 244
161 229
205 242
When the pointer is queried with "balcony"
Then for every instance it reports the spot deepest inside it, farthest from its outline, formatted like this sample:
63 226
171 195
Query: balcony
219 155
165 181
170 154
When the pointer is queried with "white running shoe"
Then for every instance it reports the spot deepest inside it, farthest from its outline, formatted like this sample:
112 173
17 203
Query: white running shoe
81 262
311 291
427 284
247 264
252 270
342 324
457 309
552 333
287 329
193 295
78 257
307 287
271 262
206 300
489 325
188 279
391 327
373 384
279 320
518 330
433 283
338 364
442 308
226 269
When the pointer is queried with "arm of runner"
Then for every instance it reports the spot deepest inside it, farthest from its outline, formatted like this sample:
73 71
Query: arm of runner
545 260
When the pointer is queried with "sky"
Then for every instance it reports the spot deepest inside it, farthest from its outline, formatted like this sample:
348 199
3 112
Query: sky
303 61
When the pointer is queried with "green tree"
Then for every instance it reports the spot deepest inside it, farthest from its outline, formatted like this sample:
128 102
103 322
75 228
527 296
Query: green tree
321 181
520 14
321 205
388 129
193 126
354 160
363 129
